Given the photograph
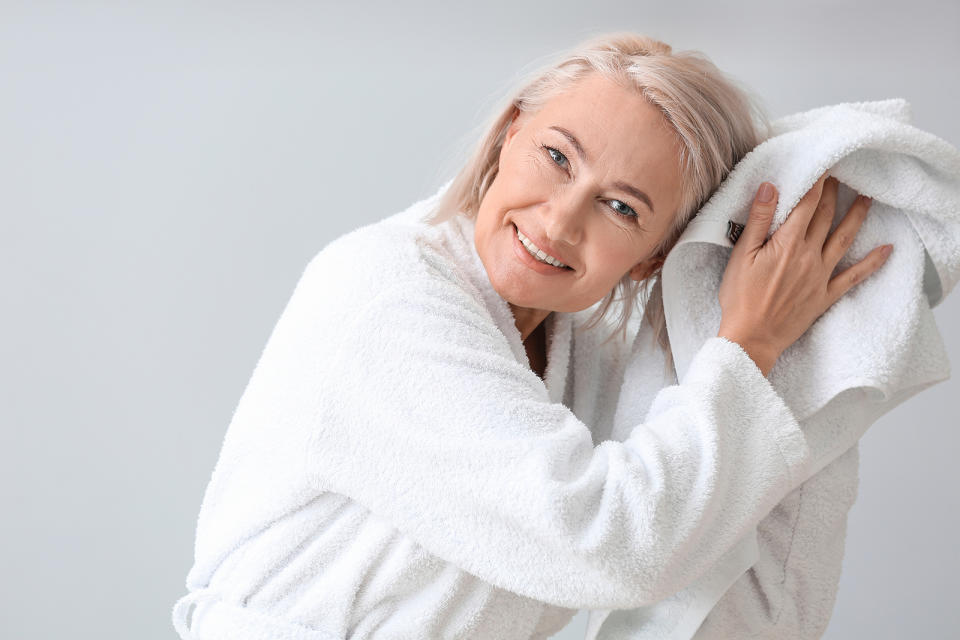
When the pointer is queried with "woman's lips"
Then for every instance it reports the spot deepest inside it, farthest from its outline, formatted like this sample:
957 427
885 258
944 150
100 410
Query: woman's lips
533 263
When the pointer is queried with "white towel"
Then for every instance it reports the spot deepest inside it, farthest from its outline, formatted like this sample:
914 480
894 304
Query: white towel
874 348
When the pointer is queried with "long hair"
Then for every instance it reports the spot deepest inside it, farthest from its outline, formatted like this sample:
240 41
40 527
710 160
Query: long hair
715 119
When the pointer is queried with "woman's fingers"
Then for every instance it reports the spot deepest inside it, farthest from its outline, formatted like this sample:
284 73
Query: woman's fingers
844 281
758 222
819 202
799 219
842 237
774 289
823 216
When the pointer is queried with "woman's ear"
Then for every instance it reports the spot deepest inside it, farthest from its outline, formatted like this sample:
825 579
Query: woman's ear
645 268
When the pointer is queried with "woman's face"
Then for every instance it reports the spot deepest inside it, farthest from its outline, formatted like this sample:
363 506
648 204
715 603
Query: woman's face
599 209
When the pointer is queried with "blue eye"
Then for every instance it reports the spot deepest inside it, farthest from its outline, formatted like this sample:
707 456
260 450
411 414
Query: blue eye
631 214
554 153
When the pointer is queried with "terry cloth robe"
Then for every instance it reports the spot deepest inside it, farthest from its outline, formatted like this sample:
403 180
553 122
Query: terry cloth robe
794 562
395 469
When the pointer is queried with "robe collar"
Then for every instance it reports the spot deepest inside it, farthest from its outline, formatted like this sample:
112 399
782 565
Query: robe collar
558 327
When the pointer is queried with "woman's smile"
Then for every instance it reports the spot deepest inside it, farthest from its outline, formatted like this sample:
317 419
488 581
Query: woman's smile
528 259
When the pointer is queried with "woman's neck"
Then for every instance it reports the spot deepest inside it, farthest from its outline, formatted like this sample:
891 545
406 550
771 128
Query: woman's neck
527 319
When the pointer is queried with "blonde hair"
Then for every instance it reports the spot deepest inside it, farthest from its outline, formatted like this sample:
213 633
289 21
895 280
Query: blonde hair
716 122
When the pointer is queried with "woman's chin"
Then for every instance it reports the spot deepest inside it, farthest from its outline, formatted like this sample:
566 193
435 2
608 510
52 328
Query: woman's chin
526 300
521 298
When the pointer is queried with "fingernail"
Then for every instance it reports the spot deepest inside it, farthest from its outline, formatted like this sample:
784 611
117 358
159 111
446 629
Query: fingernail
885 251
766 192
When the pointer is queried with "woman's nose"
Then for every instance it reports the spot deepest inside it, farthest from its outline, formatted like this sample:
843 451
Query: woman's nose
564 219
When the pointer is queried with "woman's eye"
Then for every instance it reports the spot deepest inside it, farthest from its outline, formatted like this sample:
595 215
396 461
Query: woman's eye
626 211
558 157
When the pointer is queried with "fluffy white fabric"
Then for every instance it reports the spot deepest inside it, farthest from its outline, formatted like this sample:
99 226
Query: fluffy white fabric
394 467
874 348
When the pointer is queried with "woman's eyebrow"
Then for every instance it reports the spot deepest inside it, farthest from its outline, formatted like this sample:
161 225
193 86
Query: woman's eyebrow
636 193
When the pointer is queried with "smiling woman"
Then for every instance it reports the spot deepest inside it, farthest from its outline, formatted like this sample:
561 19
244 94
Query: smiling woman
622 126
563 182
422 452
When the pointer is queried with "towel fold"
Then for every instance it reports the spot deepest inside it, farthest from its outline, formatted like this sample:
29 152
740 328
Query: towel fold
871 350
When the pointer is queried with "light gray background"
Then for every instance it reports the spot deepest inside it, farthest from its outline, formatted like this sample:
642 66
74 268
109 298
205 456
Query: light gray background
168 168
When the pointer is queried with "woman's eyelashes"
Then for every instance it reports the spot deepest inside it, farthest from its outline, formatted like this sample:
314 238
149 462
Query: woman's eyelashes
554 153
631 214
559 159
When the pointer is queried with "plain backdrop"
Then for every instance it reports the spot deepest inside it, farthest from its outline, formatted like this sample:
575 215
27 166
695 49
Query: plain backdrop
168 168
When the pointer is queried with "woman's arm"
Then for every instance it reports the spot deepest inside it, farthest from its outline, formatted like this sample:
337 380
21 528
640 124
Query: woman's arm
791 590
425 416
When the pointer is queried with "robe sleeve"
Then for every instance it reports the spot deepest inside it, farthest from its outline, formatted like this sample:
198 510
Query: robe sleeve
426 417
791 589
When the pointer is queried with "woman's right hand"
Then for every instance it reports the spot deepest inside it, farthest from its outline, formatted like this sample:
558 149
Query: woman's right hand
774 289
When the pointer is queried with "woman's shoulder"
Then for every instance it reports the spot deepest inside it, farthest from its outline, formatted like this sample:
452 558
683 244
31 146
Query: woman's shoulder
401 252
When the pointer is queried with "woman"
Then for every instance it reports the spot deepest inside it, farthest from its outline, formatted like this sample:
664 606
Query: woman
420 450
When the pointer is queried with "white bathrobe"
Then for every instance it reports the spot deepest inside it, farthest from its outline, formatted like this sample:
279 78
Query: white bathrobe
395 469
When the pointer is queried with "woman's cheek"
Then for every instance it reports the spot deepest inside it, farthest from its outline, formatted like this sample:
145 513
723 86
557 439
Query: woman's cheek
532 179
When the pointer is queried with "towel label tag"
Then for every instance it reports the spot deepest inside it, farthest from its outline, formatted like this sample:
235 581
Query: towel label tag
734 229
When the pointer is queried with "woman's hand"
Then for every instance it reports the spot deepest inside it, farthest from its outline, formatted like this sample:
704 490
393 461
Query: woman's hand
773 291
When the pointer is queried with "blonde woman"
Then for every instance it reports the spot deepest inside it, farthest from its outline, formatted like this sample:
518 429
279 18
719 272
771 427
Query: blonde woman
421 452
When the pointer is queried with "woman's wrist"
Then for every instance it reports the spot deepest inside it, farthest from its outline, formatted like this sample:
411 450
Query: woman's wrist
763 356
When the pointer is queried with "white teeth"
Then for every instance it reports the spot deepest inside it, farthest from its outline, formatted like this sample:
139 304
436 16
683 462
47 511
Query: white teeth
538 253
